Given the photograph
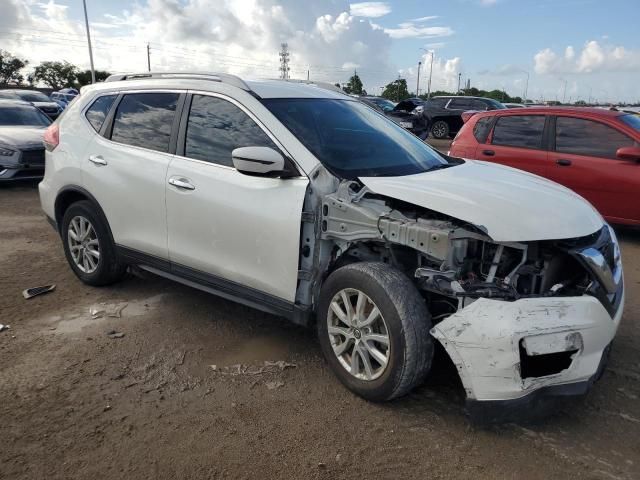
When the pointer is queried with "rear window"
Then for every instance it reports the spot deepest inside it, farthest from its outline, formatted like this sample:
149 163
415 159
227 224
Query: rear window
145 120
482 128
524 131
97 113
438 102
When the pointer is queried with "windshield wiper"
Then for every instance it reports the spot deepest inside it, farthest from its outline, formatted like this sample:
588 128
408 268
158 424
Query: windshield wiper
441 166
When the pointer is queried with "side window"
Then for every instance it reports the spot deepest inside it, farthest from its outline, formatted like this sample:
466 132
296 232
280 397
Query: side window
460 104
524 131
482 128
438 102
216 127
98 111
145 120
480 105
586 137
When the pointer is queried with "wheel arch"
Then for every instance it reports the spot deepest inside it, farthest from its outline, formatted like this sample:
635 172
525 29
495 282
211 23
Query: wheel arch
71 194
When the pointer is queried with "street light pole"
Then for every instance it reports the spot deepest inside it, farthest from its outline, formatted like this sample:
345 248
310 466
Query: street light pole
430 75
418 81
526 88
86 21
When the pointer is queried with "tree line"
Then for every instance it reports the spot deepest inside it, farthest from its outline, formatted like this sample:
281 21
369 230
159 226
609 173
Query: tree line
397 90
55 75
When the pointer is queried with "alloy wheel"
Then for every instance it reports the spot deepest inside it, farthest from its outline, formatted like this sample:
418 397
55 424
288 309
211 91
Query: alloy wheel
358 334
83 244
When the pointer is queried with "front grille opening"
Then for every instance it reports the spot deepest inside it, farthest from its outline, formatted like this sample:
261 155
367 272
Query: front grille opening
544 365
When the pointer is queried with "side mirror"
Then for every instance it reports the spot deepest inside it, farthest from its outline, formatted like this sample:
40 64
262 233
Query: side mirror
257 161
629 153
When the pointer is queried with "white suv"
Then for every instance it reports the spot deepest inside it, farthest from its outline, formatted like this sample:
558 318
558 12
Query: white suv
303 202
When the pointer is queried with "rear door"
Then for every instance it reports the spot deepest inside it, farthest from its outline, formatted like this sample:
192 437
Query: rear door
584 159
238 232
518 141
126 171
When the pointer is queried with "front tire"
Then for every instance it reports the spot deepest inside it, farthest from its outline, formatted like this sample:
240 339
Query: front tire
373 327
440 129
88 246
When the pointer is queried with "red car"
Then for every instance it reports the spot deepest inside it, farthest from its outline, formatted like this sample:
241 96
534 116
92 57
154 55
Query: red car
595 152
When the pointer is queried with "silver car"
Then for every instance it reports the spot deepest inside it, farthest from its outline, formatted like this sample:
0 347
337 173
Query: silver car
22 127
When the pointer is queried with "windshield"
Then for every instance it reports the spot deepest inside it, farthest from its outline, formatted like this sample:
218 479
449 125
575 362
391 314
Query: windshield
23 116
352 140
632 120
33 97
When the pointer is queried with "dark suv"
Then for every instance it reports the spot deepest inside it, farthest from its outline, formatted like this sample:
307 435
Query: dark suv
408 113
445 113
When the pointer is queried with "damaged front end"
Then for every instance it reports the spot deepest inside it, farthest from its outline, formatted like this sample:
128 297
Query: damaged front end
515 317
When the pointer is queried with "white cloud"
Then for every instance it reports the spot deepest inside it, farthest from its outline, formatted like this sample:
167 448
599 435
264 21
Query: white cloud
369 9
236 36
416 29
593 57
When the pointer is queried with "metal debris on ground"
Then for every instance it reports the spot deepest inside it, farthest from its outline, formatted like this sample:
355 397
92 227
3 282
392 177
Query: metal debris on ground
4 327
104 310
114 334
241 369
32 292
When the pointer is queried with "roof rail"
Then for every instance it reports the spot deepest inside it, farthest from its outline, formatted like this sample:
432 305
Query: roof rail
325 85
214 77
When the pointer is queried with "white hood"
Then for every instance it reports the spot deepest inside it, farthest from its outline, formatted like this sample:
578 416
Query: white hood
509 204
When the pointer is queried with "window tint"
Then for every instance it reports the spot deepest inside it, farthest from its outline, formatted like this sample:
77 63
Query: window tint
145 120
98 111
523 131
461 104
585 137
216 127
482 128
480 105
438 102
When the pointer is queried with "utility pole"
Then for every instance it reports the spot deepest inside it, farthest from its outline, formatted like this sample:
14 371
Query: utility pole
430 75
148 57
526 88
284 61
308 74
398 89
459 78
418 81
86 22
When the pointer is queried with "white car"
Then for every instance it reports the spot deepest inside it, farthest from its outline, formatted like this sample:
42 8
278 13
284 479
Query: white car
304 202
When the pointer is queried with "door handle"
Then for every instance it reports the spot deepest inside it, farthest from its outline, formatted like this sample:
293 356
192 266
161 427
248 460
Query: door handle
97 159
182 183
563 162
488 153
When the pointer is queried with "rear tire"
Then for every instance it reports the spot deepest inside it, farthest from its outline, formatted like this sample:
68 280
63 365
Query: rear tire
397 342
88 245
440 129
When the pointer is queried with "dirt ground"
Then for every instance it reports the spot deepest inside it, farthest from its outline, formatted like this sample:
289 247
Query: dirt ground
76 403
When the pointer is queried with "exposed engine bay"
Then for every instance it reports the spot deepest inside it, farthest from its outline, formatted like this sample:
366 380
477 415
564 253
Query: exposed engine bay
455 263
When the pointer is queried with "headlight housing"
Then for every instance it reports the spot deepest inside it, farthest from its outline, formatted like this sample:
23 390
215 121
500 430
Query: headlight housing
7 152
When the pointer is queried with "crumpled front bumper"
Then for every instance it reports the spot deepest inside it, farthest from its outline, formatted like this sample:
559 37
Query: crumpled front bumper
487 338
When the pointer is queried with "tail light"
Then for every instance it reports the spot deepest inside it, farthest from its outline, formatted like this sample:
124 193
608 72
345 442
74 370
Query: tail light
52 137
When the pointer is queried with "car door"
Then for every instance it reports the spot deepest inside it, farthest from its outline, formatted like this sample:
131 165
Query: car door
584 159
125 168
517 141
238 232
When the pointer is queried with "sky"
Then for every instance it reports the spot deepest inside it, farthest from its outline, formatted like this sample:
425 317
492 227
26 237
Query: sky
567 49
